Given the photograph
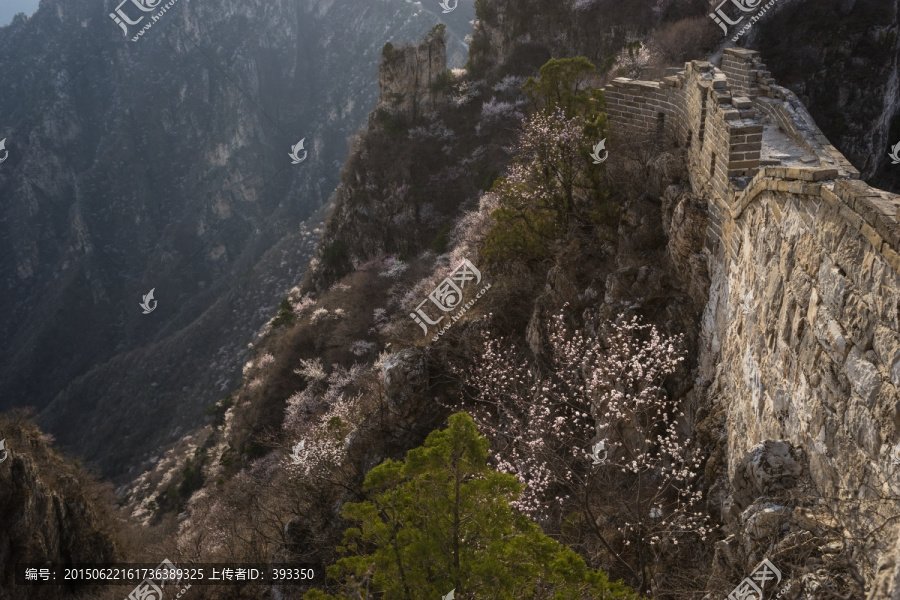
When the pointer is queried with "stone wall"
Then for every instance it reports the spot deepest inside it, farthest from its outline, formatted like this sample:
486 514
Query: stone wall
697 109
800 343
800 338
745 72
653 107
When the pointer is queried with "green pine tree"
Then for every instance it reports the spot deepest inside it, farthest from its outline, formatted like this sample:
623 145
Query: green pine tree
440 521
566 84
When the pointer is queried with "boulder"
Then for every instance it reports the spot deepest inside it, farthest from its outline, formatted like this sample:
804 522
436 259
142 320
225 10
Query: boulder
767 469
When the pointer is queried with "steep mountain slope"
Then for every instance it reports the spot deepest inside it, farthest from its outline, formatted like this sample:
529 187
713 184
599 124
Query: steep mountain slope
510 42
163 164
345 370
365 227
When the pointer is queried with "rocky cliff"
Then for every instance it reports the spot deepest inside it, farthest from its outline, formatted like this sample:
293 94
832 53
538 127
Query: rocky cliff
412 79
403 184
841 59
52 511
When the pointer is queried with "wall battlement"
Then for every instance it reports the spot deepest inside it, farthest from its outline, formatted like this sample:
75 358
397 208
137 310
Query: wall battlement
743 135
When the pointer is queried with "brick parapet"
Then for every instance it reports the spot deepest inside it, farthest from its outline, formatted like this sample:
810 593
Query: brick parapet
745 71
695 107
716 114
645 106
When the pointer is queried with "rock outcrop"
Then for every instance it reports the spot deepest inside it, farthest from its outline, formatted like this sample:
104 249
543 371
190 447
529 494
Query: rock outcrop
841 59
412 78
50 512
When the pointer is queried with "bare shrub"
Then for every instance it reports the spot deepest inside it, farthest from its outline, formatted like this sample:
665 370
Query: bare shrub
687 39
645 165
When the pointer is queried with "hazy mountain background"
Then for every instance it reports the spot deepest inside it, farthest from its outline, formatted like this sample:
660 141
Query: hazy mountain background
11 8
163 164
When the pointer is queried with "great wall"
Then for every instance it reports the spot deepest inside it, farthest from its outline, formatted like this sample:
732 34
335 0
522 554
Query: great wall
800 332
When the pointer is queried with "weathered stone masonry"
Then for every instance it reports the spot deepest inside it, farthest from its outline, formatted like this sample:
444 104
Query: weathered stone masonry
801 332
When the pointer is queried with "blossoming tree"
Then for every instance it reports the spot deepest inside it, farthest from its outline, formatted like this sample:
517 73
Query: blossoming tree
592 432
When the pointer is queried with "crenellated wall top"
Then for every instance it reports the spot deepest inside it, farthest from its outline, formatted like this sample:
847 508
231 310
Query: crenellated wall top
744 135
